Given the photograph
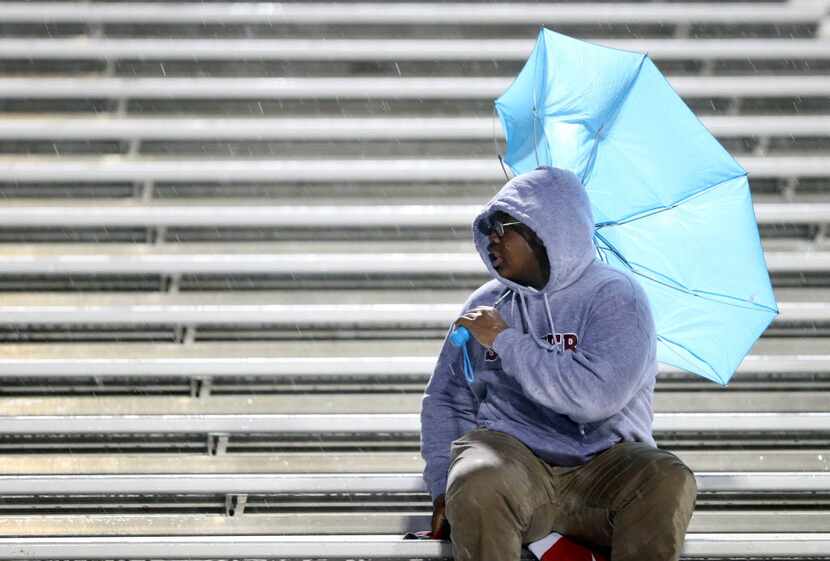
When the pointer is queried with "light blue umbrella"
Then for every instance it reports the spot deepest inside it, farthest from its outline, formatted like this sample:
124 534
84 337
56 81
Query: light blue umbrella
670 204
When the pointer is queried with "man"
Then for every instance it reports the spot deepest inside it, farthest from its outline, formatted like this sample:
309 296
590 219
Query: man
555 432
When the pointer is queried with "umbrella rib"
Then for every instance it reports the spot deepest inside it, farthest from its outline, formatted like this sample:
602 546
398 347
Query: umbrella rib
656 210
679 287
755 305
712 370
619 102
703 294
610 247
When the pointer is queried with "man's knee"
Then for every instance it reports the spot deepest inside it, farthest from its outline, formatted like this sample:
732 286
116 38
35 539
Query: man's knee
481 466
674 486
493 475
487 497
478 483
653 522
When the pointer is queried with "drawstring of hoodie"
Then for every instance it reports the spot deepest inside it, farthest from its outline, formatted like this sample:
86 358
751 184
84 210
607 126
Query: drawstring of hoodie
550 318
536 338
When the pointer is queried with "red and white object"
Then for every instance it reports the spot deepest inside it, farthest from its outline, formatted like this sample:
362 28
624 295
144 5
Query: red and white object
556 547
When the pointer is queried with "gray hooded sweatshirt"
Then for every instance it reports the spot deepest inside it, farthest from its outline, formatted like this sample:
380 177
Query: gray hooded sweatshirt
575 371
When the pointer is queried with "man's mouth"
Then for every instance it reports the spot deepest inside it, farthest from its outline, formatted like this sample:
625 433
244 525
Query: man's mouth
496 261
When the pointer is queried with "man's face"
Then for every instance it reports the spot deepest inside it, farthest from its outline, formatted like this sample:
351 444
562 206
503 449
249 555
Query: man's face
512 256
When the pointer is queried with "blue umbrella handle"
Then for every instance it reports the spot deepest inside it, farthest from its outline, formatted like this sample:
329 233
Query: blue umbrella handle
459 338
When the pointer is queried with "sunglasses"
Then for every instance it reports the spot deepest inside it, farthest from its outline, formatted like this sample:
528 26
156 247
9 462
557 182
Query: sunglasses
499 227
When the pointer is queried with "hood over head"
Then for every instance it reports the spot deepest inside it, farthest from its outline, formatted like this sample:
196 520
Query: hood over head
553 203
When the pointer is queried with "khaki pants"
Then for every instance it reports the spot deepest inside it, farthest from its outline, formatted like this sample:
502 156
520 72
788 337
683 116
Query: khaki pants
632 502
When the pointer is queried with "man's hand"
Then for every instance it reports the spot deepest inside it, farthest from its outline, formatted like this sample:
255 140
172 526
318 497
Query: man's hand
483 323
440 525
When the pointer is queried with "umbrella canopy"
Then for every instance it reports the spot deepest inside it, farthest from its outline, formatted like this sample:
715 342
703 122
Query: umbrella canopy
671 205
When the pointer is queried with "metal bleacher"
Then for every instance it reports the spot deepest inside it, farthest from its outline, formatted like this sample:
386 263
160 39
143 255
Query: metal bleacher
234 235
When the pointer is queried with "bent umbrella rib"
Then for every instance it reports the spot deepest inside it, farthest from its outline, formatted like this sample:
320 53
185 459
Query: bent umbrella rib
656 210
618 104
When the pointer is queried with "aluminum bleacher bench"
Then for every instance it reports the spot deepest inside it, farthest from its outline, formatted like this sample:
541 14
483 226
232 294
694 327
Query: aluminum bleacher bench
270 375
312 488
239 483
107 213
65 127
381 546
375 88
409 12
412 357
362 518
214 433
181 266
118 168
731 422
372 399
777 456
717 429
345 308
391 49
159 260
256 363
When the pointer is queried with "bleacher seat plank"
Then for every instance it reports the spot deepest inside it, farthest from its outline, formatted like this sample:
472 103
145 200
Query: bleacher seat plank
732 422
437 309
256 483
433 315
802 351
236 366
714 399
67 127
270 13
358 521
433 88
335 461
719 544
391 49
120 168
106 213
416 264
